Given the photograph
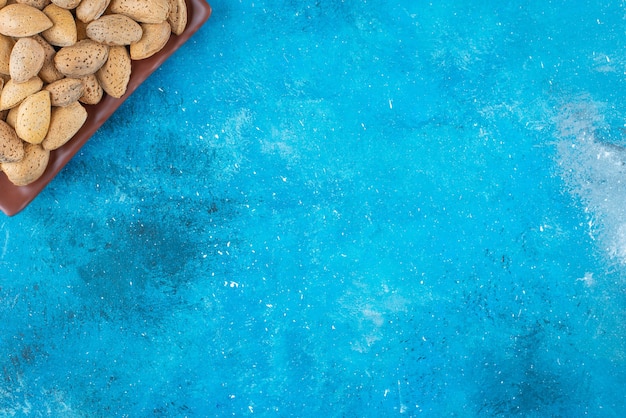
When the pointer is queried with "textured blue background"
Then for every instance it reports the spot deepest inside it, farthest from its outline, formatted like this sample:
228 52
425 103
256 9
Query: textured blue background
342 209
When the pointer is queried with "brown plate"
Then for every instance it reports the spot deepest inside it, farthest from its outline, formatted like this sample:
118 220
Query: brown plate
15 198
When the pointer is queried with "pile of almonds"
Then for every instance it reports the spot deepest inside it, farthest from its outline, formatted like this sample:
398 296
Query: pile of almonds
56 55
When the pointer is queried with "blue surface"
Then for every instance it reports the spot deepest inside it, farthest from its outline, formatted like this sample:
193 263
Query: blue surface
341 209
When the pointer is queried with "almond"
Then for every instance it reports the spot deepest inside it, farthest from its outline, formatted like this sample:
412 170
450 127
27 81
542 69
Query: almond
37 4
64 123
33 117
6 46
21 20
114 29
63 30
29 168
67 4
154 38
27 58
89 10
66 91
48 72
115 73
11 118
13 93
177 16
81 30
83 58
11 147
92 90
147 11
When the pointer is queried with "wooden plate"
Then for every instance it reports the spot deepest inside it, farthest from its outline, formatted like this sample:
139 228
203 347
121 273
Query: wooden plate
15 198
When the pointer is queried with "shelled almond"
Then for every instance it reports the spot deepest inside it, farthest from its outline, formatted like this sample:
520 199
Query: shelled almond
58 56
